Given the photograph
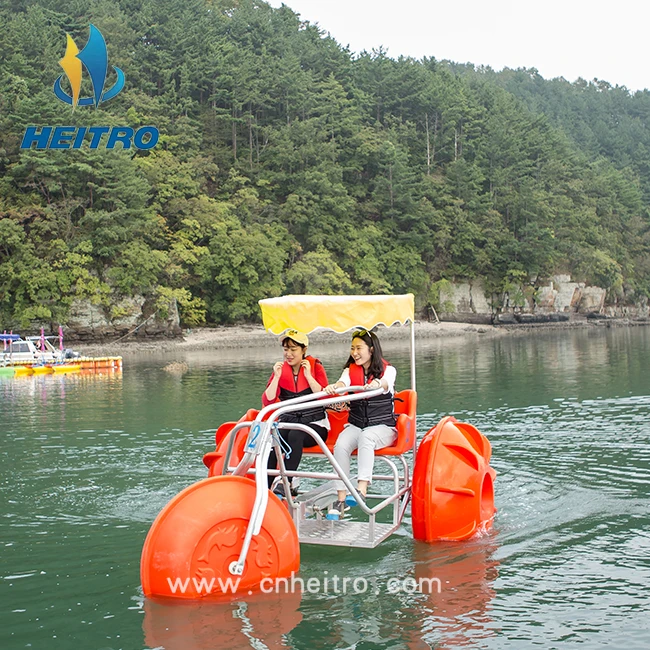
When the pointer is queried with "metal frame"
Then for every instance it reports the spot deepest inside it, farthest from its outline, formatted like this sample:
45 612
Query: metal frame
258 447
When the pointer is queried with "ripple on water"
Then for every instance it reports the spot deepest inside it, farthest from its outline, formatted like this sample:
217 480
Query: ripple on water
573 494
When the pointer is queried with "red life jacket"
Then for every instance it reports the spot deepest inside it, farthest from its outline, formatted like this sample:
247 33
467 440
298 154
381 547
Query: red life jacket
295 386
358 374
290 383
376 410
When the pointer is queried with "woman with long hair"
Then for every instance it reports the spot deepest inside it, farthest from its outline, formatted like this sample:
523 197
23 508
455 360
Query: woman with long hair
371 422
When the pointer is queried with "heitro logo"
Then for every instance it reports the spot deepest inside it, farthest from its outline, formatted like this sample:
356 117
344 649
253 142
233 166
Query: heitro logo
94 58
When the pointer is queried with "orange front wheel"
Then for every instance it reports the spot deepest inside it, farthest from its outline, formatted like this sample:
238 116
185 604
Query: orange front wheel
199 533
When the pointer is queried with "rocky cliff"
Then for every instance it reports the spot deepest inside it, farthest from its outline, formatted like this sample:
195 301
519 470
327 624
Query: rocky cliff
558 299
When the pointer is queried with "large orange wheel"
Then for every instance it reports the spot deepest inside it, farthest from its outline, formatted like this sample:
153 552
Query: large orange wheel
453 483
197 535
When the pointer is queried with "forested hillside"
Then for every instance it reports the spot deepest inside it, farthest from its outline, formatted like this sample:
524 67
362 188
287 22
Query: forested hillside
287 165
601 119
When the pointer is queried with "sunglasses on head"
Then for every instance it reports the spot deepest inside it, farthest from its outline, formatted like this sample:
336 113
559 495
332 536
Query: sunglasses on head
359 333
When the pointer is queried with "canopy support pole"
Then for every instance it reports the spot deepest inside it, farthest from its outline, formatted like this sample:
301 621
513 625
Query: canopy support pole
413 354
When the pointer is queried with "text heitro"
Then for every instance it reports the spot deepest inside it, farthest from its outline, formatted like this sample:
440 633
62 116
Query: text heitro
73 137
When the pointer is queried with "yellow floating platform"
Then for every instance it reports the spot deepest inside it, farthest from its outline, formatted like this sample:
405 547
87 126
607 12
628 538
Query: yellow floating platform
66 368
42 370
87 364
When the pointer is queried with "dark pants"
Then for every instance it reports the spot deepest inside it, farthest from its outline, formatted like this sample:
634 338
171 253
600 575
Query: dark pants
297 440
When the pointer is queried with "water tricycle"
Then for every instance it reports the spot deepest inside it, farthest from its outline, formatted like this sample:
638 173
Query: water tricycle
229 533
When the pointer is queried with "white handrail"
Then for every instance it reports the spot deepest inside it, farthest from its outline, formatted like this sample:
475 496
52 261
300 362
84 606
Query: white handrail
259 451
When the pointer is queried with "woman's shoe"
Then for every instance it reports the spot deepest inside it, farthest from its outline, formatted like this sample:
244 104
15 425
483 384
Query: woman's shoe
337 510
278 490
351 501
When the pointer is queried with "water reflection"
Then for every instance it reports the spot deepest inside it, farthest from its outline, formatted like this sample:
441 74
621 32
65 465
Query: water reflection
459 612
402 606
259 621
517 371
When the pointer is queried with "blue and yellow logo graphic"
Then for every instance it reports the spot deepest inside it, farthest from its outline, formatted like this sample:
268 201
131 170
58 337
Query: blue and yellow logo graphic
94 57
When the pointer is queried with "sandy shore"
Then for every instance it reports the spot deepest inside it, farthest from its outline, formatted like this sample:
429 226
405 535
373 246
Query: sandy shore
254 336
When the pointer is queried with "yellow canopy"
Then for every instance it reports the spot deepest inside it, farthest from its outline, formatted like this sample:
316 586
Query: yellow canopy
338 313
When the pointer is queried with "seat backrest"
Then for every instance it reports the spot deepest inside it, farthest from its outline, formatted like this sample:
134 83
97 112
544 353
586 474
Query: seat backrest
226 427
406 403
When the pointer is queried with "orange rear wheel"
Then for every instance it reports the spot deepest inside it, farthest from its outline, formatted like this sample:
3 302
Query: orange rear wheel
453 483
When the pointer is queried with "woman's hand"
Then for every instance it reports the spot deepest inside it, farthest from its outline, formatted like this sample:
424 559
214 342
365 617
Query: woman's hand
305 365
373 385
277 368
331 388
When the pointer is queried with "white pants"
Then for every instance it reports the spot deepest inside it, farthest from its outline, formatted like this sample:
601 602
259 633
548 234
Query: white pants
366 440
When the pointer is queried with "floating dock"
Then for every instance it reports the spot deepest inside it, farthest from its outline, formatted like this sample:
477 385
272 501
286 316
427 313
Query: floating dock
86 364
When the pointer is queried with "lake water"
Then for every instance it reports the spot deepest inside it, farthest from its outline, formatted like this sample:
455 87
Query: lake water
88 461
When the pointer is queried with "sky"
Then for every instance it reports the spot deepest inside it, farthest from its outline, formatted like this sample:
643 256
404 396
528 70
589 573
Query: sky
570 38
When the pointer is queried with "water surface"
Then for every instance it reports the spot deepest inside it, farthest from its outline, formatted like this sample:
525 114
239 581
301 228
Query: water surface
89 460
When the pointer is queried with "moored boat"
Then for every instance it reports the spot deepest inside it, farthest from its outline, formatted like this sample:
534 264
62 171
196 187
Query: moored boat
35 355
37 350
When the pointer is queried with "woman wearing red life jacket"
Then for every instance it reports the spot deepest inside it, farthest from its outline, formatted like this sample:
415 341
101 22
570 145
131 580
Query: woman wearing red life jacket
371 423
299 374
